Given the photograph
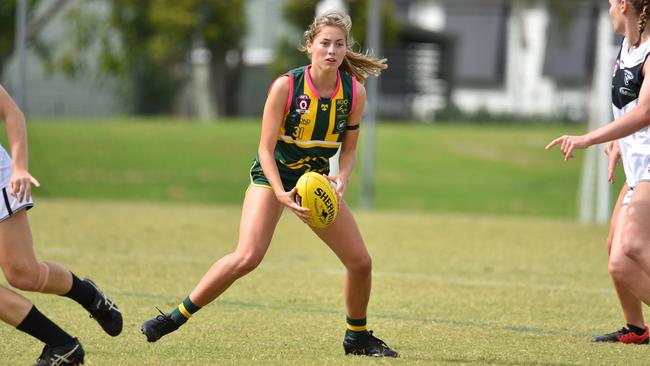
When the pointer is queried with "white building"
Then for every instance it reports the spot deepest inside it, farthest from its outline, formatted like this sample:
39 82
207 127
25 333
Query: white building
514 57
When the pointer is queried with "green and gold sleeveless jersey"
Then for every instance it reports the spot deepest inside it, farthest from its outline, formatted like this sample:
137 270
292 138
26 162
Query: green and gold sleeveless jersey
313 127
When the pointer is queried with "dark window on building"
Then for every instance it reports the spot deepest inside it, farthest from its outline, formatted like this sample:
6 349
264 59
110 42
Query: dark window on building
479 30
570 46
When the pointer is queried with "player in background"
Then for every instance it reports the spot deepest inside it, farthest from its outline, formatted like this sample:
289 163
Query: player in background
20 266
635 331
309 113
629 260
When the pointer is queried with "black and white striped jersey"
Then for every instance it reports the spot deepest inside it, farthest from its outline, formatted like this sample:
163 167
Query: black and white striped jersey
626 86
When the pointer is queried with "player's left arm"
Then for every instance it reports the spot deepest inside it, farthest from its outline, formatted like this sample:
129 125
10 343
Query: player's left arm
634 120
348 156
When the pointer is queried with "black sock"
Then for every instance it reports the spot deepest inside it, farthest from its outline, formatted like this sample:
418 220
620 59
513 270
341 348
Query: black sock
40 327
636 330
81 292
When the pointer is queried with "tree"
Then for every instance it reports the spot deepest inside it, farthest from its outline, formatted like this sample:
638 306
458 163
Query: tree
148 43
36 22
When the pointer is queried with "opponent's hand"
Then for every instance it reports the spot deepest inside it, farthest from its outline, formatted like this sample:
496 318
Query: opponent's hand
340 185
568 144
289 199
20 184
613 152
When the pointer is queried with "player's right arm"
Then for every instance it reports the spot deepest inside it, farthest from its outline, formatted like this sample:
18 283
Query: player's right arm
272 117
21 181
634 120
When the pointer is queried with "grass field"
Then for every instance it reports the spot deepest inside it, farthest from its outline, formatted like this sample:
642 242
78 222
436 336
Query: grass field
488 169
449 289
477 257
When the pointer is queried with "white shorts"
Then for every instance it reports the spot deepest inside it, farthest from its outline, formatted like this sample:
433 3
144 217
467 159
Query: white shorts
10 204
628 197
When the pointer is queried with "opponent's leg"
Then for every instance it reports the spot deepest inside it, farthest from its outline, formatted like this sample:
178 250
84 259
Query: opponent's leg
22 314
620 268
24 272
635 238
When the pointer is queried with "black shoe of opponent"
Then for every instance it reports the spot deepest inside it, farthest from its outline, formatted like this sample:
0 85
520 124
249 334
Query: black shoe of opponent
105 312
67 354
623 335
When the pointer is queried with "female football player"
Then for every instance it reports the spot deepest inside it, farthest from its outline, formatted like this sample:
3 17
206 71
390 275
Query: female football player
310 112
635 331
629 261
20 266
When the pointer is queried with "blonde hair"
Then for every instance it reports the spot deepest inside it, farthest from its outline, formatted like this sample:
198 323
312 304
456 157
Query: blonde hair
360 65
643 8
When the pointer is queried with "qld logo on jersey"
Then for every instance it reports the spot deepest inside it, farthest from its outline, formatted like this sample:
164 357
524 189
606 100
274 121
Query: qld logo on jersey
303 102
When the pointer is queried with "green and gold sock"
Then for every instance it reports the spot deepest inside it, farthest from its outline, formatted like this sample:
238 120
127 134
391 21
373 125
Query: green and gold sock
356 327
184 311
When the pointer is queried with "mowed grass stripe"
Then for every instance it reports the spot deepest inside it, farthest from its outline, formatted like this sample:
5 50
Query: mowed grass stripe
501 170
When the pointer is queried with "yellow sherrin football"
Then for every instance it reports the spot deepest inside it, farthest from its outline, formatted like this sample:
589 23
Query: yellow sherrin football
316 194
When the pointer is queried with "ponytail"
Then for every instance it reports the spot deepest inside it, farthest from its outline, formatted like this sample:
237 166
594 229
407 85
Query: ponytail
643 8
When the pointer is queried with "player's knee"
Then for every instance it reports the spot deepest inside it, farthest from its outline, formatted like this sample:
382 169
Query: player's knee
618 271
632 246
246 263
361 265
20 280
610 240
27 278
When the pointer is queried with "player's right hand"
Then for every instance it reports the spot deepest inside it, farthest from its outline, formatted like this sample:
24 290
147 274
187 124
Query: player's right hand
289 199
613 152
20 184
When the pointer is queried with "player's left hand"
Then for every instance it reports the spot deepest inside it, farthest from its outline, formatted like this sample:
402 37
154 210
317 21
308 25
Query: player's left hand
341 184
613 152
20 184
568 144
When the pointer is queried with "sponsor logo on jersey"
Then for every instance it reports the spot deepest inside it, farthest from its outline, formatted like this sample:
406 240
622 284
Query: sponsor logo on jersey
340 124
342 111
305 121
303 102
627 92
628 77
324 107
342 106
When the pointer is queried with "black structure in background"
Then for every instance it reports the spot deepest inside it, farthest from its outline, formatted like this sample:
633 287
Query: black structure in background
420 64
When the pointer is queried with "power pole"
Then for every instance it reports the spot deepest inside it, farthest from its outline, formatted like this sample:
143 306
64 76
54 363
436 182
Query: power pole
20 50
595 191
